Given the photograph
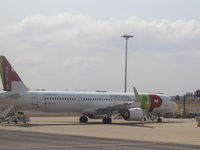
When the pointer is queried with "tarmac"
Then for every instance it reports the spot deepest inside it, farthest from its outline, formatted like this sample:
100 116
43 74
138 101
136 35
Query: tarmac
68 133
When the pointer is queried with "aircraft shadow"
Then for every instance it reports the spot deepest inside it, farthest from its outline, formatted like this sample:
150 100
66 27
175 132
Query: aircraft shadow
145 124
28 125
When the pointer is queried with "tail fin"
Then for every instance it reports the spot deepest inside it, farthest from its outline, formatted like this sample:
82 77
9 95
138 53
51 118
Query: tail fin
10 80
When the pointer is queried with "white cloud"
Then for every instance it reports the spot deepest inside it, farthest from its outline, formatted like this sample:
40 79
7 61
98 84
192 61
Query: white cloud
77 52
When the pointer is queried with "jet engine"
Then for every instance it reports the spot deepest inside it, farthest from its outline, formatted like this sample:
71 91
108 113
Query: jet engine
133 114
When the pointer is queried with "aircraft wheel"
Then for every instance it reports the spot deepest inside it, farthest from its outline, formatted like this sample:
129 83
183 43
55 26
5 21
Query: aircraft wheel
159 120
15 121
83 119
107 120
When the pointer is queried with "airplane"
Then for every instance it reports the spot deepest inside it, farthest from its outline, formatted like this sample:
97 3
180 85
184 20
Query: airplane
94 105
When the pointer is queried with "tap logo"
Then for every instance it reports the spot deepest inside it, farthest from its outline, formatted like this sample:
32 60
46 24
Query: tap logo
150 101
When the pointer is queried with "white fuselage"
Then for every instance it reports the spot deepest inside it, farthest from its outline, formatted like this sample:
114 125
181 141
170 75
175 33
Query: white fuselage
81 102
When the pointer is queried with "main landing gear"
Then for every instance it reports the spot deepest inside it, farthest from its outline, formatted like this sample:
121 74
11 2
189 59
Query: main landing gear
155 116
107 120
83 119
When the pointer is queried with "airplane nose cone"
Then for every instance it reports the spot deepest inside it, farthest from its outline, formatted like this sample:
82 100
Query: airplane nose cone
175 106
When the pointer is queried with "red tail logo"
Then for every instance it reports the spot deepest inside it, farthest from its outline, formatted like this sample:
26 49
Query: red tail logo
8 74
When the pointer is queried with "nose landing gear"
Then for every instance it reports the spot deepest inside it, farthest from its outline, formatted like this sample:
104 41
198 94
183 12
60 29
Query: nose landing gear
83 119
159 119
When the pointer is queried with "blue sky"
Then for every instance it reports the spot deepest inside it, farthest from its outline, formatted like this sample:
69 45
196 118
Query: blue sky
76 45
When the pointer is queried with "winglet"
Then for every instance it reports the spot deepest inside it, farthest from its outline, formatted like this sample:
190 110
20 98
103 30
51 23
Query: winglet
10 79
137 97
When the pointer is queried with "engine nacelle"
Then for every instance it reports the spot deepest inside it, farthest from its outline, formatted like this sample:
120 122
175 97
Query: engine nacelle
133 114
94 116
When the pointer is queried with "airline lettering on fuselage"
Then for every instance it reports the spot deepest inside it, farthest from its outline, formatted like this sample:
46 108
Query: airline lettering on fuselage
150 101
119 97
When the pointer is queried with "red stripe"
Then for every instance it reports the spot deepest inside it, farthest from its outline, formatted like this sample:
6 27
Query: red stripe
9 75
156 101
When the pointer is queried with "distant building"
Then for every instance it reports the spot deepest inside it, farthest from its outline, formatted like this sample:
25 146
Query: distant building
197 95
177 97
189 96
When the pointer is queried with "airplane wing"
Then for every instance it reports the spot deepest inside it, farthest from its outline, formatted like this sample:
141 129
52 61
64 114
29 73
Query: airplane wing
115 108
110 108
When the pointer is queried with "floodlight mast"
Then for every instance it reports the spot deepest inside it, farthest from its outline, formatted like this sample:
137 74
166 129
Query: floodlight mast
126 38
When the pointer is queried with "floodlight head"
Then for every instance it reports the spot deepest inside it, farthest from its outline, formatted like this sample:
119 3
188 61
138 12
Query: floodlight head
127 36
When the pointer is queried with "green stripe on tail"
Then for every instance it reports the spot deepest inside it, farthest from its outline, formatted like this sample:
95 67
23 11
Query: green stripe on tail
145 102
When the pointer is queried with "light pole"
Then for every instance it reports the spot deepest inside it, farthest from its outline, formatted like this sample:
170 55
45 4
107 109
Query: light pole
126 38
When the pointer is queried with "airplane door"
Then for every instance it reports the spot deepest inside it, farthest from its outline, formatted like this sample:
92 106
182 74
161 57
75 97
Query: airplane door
165 102
34 99
80 100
